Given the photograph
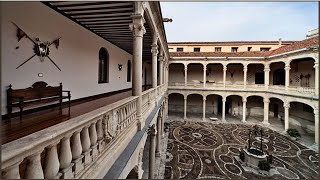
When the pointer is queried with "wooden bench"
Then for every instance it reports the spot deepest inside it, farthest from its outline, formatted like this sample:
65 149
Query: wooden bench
39 93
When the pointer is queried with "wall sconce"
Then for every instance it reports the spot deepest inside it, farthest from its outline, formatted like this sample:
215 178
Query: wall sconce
120 67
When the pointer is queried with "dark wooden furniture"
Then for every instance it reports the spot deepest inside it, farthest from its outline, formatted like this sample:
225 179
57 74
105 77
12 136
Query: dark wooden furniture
39 93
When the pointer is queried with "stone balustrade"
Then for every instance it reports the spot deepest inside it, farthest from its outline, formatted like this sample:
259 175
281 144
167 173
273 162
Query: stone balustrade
67 150
292 90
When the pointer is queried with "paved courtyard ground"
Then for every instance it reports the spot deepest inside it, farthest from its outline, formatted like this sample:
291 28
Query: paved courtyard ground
197 150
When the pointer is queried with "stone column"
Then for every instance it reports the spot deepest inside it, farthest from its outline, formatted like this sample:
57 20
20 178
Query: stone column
158 135
245 70
266 111
224 75
185 75
204 75
244 109
316 78
287 69
224 99
65 157
286 115
316 125
154 52
266 75
138 31
204 108
161 73
185 108
152 134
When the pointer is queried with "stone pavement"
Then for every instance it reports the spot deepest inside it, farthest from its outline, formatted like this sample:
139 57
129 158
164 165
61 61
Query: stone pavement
207 150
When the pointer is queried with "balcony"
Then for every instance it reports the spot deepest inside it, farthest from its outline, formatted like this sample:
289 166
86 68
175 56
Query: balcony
79 147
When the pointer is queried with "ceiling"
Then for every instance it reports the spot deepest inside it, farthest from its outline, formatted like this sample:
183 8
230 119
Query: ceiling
107 19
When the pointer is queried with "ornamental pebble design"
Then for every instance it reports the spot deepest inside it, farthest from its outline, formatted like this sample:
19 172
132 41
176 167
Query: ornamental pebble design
198 150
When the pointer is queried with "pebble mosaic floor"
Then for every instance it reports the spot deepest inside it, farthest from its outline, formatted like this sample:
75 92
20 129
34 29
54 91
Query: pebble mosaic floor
198 150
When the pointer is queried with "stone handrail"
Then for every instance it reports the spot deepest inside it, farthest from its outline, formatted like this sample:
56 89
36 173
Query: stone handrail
80 141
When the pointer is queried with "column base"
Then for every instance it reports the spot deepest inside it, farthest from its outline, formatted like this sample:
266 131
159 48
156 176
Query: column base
78 165
266 123
67 172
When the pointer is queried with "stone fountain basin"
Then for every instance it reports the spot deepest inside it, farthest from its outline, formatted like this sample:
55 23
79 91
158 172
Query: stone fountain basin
253 159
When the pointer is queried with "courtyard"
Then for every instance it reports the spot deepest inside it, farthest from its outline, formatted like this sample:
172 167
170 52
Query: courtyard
197 150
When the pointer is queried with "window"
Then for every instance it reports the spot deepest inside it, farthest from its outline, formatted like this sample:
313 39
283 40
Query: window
234 49
129 71
179 49
196 49
249 48
265 49
103 66
217 49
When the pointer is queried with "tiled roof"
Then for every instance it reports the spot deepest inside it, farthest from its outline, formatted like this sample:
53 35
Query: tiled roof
220 54
232 42
292 47
295 46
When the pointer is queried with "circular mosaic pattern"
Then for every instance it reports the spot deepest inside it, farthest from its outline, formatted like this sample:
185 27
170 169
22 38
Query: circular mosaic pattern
199 150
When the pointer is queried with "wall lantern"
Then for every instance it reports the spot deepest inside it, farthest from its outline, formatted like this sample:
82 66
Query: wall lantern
120 67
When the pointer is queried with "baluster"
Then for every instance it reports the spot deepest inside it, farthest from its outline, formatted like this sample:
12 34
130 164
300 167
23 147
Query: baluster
93 140
12 172
76 150
100 135
65 157
34 168
85 143
51 166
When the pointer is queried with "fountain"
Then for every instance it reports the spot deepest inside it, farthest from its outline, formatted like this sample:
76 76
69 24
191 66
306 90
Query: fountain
254 158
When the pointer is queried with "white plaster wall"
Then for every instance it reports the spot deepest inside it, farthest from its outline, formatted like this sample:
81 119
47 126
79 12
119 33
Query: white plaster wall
77 55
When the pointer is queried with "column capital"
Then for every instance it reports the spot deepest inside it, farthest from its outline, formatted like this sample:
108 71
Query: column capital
154 49
245 65
266 100
152 130
185 98
316 65
136 27
224 67
204 66
286 105
287 68
244 99
204 98
185 67
224 99
245 69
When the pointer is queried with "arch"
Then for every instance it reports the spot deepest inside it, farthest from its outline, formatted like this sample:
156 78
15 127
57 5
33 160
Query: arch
129 71
303 101
255 108
213 105
302 118
302 73
257 95
103 72
193 93
194 105
175 104
176 73
234 105
277 73
133 174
